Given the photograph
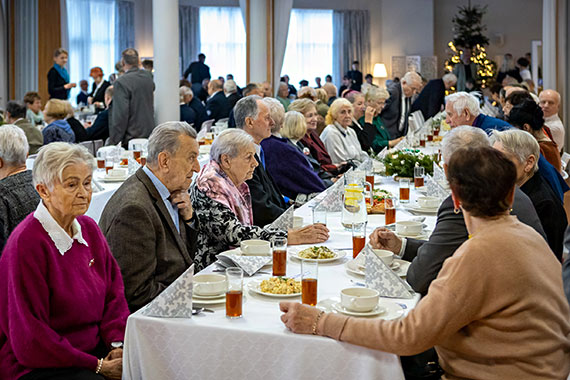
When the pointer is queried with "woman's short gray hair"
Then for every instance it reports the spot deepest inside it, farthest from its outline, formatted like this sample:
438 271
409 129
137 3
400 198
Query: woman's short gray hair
463 137
53 158
13 145
183 92
230 142
230 86
294 126
519 143
244 108
277 112
463 100
164 138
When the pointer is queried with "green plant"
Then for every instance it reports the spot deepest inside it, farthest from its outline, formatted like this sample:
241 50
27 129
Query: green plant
402 163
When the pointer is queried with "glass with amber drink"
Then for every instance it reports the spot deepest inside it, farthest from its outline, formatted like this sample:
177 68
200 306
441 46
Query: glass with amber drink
404 190
234 293
309 276
423 140
358 238
389 211
419 173
137 151
279 256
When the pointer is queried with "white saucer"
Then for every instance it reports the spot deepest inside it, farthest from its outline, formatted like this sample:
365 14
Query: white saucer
214 301
421 210
198 297
392 310
401 269
107 178
372 313
421 236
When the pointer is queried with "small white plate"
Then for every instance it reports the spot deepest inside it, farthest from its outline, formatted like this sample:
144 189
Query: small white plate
394 265
401 269
255 287
392 310
215 301
421 210
295 254
372 313
198 297
107 178
421 236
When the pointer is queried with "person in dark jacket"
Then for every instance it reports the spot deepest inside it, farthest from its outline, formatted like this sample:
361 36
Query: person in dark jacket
231 91
77 126
198 71
58 76
432 97
217 106
57 129
200 111
97 95
100 128
187 114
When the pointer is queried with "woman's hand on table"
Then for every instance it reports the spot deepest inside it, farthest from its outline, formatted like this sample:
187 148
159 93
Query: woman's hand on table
299 318
315 233
112 369
392 143
383 238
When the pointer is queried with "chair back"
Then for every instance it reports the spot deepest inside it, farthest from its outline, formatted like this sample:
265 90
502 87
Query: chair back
207 125
89 146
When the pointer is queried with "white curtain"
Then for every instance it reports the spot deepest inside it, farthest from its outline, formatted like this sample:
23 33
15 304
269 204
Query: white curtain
222 40
26 47
309 46
281 17
92 42
189 24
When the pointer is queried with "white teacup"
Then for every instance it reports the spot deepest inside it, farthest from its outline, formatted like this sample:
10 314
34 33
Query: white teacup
359 299
298 221
255 247
209 284
428 202
409 227
386 256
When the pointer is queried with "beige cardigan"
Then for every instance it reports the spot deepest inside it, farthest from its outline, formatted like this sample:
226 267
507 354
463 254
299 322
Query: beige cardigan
496 311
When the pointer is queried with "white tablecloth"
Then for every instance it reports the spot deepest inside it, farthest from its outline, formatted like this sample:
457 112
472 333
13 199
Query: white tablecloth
258 346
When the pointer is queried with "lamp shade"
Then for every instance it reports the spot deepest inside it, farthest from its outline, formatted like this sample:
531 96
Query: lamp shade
380 70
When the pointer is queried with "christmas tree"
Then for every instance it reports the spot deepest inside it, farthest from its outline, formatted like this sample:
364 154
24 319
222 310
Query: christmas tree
468 34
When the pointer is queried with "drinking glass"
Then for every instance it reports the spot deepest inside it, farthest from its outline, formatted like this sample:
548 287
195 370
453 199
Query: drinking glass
390 211
279 256
137 151
419 173
319 215
358 238
404 190
309 276
109 164
234 293
370 178
423 139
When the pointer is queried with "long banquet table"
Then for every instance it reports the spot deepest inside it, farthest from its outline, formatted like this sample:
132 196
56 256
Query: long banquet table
258 346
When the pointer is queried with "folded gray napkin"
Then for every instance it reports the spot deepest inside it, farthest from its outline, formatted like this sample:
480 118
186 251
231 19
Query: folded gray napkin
174 301
249 264
380 277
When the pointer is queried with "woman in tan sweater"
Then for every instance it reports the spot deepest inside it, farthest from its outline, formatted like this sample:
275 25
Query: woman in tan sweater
497 308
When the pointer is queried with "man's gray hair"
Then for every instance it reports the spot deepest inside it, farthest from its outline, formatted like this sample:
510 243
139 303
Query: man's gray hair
130 56
277 113
463 100
412 77
13 145
244 108
519 143
165 138
463 137
183 91
450 78
53 158
230 86
230 142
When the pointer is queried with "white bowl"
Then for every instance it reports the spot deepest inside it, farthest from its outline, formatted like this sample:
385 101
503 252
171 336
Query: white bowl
209 284
428 202
386 256
409 227
359 299
255 247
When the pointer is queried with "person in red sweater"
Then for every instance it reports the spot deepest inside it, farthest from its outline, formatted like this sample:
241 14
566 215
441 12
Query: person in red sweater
64 310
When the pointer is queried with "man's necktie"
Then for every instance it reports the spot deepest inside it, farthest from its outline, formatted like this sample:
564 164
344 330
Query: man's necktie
262 156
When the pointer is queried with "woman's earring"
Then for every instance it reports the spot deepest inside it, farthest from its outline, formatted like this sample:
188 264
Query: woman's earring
456 210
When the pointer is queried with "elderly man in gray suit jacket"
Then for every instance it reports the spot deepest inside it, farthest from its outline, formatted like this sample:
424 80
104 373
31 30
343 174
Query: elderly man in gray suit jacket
132 115
149 222
450 232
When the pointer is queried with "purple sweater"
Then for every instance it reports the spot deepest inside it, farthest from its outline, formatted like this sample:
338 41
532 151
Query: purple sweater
55 309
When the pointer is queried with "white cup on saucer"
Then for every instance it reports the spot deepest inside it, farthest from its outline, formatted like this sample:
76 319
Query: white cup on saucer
209 284
428 202
386 256
255 247
359 299
409 227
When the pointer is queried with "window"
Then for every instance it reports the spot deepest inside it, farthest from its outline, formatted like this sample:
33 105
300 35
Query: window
91 29
309 46
222 40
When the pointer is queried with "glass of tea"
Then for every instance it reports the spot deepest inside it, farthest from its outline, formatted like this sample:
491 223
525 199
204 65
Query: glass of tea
370 178
419 173
309 276
137 151
390 211
279 256
404 190
109 164
423 140
358 238
234 293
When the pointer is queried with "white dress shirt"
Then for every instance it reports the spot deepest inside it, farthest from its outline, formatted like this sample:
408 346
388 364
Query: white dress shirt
557 128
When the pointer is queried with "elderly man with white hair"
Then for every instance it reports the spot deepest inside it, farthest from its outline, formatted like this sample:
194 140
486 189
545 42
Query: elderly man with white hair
231 92
149 221
18 197
398 107
549 101
463 108
187 114
432 98
450 232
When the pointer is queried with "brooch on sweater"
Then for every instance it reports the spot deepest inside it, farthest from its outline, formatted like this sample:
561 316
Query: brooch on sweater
91 262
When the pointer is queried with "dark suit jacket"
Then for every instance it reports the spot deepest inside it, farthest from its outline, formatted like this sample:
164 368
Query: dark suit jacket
132 115
200 111
100 128
218 106
78 129
430 100
55 85
392 110
187 114
449 233
266 200
233 99
144 240
99 96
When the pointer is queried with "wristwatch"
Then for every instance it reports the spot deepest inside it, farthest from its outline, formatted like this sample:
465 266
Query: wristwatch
115 345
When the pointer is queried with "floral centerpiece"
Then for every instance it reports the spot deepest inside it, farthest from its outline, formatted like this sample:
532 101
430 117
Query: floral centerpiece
402 163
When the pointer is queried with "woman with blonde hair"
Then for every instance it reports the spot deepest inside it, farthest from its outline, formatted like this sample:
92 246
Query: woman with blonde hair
58 129
340 140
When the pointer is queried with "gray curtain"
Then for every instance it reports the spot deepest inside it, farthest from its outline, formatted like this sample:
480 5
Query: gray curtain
26 46
189 25
351 42
124 26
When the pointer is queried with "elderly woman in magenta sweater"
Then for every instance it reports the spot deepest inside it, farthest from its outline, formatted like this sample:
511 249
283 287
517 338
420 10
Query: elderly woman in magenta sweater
64 310
497 309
